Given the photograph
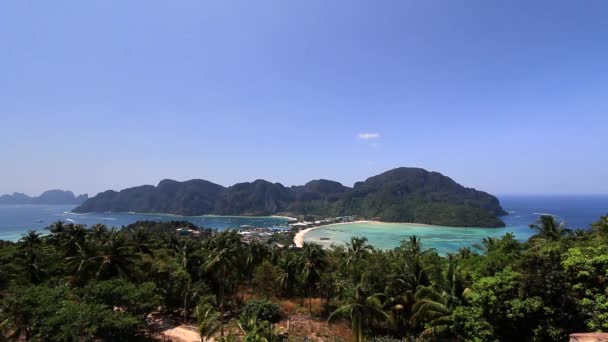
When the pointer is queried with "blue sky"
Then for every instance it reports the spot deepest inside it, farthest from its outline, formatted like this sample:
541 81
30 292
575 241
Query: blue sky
504 96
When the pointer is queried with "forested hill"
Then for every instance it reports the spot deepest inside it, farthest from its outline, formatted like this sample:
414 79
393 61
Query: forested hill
399 195
47 197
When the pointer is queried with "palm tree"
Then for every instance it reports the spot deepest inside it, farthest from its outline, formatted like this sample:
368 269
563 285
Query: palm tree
141 240
549 229
434 304
399 299
222 252
67 237
357 249
289 264
115 256
464 253
209 322
433 307
360 311
185 254
31 244
312 260
487 245
413 271
256 254
82 263
56 229
99 232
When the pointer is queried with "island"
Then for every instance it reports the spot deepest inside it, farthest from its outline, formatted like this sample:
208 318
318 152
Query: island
403 194
56 197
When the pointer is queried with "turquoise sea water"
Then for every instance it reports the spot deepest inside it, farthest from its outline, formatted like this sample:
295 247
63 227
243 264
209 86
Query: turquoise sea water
15 220
577 211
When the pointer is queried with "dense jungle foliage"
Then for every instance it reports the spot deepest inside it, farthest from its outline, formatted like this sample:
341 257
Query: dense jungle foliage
77 283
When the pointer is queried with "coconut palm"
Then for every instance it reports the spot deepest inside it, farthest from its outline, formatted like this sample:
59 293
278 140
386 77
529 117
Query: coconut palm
290 267
56 229
209 322
464 253
141 241
412 270
222 253
363 309
399 299
82 264
487 245
31 244
256 253
548 229
115 257
99 232
312 260
432 307
357 249
67 236
434 304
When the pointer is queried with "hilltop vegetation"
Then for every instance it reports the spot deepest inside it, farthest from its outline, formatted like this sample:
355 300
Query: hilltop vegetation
399 195
80 283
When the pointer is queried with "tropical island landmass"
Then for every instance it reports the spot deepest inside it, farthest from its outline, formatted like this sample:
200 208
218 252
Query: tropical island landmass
48 197
399 195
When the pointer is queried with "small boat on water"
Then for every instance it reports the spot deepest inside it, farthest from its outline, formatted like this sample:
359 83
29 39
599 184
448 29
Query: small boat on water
324 238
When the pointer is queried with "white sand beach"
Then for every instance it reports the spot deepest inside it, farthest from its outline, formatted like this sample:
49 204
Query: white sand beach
298 239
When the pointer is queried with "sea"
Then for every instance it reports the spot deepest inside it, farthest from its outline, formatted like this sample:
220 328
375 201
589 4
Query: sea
16 220
579 211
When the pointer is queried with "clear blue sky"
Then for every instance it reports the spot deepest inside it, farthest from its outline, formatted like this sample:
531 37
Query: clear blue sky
504 96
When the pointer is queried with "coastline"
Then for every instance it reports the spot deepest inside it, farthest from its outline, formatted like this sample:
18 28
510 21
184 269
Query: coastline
288 218
178 215
298 239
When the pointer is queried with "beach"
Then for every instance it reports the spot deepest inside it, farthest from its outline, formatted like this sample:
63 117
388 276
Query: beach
298 239
386 235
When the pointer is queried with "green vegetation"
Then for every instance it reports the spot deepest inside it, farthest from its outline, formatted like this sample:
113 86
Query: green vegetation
398 195
80 284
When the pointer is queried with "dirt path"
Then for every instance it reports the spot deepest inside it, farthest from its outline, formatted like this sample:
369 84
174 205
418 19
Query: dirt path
182 333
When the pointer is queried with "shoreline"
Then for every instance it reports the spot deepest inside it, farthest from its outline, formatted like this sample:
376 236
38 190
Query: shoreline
288 218
298 239
179 215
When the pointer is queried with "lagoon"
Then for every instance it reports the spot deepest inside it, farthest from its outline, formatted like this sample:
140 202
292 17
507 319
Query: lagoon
578 211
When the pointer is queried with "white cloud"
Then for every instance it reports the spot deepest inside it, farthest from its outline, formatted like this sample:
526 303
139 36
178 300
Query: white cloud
368 136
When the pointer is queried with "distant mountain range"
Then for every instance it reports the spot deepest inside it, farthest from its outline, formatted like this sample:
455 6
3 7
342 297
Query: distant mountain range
399 195
47 197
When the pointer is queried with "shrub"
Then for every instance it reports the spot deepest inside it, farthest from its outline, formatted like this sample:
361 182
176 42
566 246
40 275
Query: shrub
260 311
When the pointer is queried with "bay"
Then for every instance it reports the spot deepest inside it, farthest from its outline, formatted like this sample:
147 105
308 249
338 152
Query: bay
15 220
579 211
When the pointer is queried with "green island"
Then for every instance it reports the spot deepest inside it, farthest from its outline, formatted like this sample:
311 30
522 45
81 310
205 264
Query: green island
144 281
399 195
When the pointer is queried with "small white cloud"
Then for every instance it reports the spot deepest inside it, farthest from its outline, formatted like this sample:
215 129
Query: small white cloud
368 136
